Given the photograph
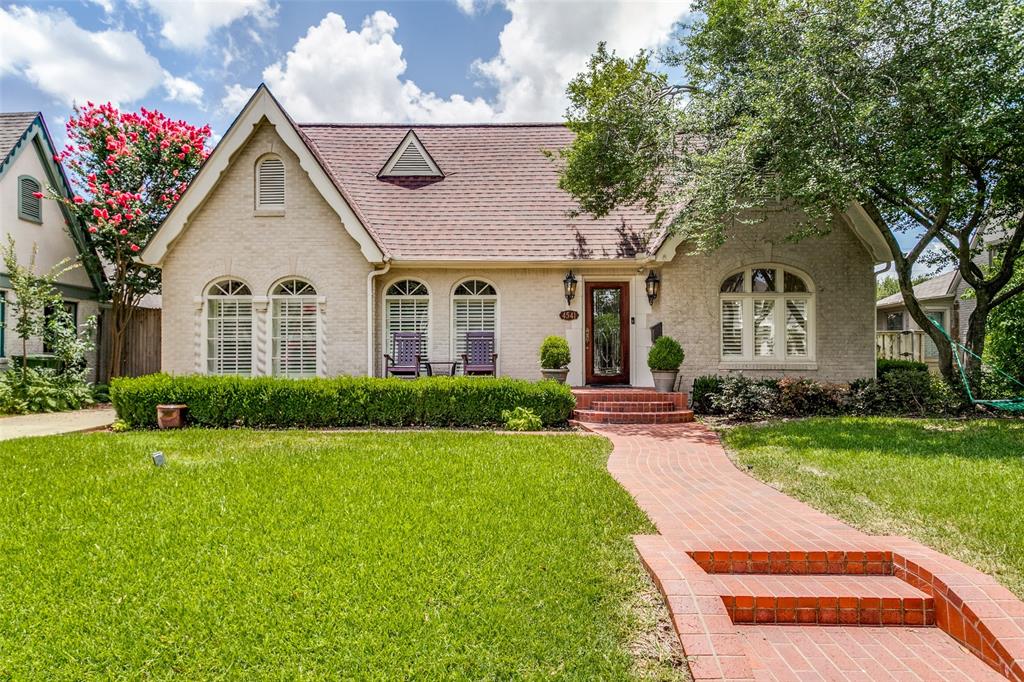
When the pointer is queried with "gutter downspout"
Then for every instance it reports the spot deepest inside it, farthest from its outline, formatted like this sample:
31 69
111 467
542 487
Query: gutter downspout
372 275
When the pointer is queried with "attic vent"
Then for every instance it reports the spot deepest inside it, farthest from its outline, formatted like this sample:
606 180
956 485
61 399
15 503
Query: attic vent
410 158
270 183
29 207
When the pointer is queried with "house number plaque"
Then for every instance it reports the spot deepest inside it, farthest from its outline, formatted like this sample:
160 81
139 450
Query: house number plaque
569 315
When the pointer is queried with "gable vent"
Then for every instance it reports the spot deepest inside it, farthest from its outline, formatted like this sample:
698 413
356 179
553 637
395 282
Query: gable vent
410 158
29 207
270 183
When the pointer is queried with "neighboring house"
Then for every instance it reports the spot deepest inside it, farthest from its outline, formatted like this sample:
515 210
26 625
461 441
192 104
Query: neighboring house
299 250
28 166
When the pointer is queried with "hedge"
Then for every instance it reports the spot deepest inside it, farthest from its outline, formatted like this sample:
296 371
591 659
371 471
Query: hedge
264 402
885 366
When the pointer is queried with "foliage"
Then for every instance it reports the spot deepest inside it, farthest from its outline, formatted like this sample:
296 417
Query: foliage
42 390
887 286
223 401
953 485
521 419
665 355
742 398
884 366
911 108
131 169
101 393
806 398
120 426
554 353
1005 346
290 554
704 388
904 392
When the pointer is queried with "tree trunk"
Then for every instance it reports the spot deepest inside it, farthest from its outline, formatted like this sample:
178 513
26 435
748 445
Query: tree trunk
118 326
942 344
977 326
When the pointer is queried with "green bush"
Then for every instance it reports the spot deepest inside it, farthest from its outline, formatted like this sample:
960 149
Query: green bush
42 390
885 366
807 398
220 401
743 398
665 355
704 388
521 419
904 392
554 353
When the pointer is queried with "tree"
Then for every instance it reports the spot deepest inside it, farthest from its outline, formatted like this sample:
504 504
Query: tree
1006 334
913 108
33 292
132 168
887 286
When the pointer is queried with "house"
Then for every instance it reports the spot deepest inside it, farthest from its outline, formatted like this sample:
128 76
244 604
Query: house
28 166
301 249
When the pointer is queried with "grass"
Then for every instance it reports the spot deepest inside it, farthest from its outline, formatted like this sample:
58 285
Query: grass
957 486
293 554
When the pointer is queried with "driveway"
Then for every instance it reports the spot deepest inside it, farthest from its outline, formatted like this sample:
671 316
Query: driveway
53 423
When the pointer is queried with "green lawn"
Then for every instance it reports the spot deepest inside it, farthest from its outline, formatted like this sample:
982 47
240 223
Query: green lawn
957 486
289 555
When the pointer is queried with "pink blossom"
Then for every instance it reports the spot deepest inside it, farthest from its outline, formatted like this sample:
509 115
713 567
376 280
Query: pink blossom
93 229
123 232
79 200
37 195
175 172
134 247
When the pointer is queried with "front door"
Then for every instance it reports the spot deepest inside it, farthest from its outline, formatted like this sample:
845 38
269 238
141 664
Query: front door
607 333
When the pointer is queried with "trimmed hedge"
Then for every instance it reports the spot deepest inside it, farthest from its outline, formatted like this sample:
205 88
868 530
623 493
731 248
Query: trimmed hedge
263 402
886 366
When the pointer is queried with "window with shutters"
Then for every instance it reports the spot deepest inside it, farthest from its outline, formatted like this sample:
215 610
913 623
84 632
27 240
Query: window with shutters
407 309
30 207
474 309
229 327
767 315
270 183
295 320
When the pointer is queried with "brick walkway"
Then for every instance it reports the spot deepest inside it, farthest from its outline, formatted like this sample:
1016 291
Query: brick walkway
762 587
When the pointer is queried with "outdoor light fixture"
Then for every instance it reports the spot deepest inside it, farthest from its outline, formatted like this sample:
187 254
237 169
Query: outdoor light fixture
570 287
653 284
158 458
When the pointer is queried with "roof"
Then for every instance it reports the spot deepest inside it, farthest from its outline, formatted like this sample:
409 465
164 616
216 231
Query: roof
935 287
12 129
498 200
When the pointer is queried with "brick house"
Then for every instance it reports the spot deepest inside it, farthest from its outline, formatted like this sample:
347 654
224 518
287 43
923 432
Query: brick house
300 250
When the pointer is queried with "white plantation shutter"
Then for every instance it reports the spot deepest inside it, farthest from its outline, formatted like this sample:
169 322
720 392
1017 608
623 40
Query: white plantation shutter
407 309
29 207
294 338
270 183
229 329
732 328
474 309
796 328
764 328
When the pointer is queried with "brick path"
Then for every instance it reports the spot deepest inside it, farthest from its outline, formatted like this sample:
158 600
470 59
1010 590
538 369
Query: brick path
762 587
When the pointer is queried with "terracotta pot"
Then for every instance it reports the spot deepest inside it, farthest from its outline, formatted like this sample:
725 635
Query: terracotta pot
170 416
558 375
665 381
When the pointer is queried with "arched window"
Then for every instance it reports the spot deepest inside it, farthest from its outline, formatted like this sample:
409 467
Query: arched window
407 309
30 207
474 309
767 315
270 183
294 329
229 328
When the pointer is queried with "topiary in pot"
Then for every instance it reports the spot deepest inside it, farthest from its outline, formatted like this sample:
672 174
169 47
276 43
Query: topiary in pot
554 358
664 359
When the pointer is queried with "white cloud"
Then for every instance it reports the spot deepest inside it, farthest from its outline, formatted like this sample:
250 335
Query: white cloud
183 90
235 97
188 23
333 73
72 64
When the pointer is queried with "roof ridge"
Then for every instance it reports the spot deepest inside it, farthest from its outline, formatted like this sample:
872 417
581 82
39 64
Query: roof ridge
433 125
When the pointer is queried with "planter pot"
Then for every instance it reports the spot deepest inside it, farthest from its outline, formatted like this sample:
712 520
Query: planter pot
665 381
558 375
170 416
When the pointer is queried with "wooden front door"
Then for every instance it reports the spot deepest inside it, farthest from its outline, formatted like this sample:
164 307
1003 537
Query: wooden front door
607 333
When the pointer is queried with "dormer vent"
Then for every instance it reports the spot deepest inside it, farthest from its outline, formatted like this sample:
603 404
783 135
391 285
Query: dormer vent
410 158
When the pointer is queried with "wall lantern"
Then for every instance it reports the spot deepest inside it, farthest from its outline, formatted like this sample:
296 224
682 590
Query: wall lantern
569 283
653 284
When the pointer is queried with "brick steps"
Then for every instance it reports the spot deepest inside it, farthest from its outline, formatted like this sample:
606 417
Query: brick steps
825 600
630 406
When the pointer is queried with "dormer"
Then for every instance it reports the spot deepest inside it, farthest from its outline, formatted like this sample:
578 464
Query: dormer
410 159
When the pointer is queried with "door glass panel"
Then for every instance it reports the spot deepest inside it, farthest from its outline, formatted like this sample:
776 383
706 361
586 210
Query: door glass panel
939 317
607 311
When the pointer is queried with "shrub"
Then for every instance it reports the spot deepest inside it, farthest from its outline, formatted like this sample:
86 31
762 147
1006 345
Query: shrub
42 390
704 389
221 401
521 419
742 398
885 366
904 392
807 398
665 355
554 353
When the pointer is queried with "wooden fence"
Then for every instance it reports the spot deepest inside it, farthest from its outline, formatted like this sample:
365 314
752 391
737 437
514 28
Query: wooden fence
142 346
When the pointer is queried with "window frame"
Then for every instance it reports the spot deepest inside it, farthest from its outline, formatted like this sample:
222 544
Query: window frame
386 341
273 209
207 309
746 300
305 297
22 215
453 344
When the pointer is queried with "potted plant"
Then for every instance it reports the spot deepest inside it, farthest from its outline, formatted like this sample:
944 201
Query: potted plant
554 358
664 359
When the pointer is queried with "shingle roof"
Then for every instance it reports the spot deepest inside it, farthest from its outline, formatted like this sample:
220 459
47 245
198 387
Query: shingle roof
12 126
936 287
499 199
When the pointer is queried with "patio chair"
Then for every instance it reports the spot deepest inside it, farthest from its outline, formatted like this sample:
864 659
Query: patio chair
405 360
480 358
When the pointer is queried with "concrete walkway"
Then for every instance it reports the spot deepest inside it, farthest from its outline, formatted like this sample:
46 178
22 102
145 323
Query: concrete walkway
53 423
762 587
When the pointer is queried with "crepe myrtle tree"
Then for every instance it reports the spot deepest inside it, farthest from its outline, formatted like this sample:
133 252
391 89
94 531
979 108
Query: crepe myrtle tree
128 170
913 108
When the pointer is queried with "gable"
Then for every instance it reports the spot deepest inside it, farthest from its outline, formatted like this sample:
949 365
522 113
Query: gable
410 158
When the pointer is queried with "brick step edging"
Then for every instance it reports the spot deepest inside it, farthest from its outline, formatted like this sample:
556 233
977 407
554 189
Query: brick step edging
596 417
